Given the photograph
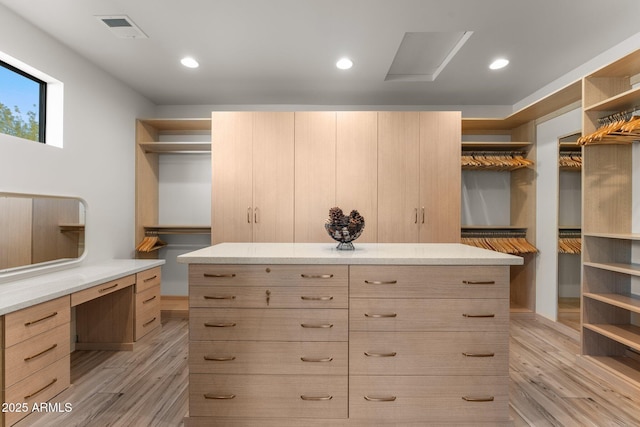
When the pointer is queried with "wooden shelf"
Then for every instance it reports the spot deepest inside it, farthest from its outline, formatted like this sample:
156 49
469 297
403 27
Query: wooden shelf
176 147
621 367
623 301
624 101
471 145
628 335
183 125
630 269
620 236
71 227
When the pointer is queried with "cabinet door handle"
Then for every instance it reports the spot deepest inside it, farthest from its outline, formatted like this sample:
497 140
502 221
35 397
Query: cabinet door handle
423 214
218 276
219 396
150 278
144 325
370 354
149 300
249 215
305 298
316 276
220 358
380 316
326 397
478 354
317 325
219 297
479 282
415 220
255 215
380 282
316 359
219 325
478 315
26 359
42 319
29 396
380 398
105 289
478 398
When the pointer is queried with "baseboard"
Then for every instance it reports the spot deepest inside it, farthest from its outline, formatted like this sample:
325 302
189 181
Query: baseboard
174 306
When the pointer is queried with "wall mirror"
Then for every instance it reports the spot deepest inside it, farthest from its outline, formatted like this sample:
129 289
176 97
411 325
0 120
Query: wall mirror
39 230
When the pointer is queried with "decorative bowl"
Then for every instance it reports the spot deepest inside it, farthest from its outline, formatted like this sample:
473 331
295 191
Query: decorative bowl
344 229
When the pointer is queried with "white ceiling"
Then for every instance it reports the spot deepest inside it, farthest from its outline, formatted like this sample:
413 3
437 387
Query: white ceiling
284 51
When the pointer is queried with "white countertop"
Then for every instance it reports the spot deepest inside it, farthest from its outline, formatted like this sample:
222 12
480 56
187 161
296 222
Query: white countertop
18 294
364 253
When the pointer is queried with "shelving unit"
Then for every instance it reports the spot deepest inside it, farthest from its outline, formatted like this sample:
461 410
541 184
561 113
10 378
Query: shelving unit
610 293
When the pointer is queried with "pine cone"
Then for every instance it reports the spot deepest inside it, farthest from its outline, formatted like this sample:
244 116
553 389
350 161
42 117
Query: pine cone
335 215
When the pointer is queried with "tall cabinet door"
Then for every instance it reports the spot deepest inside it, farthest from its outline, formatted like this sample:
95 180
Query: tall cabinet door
440 176
315 174
273 176
398 177
232 177
357 167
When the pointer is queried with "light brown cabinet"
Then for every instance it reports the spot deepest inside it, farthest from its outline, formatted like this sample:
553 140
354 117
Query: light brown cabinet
252 177
419 177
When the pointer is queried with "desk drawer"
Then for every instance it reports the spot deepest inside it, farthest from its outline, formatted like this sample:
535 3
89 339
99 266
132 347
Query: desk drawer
263 275
388 314
147 311
29 322
308 296
268 396
39 387
148 279
260 357
426 353
102 289
426 400
268 324
429 281
27 357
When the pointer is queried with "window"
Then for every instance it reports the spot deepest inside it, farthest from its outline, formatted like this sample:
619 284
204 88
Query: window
22 104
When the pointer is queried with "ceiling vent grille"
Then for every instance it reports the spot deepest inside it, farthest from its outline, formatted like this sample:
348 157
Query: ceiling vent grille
122 27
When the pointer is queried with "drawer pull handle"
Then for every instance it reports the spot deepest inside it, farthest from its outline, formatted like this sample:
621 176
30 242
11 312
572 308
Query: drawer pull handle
327 397
478 315
29 396
115 285
478 354
144 325
219 325
380 316
316 359
219 396
479 282
304 298
370 354
317 325
149 300
218 276
380 398
48 316
380 282
316 276
26 359
219 359
478 399
219 297
148 279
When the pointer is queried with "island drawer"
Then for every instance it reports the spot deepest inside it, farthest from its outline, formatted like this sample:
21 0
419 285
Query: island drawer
429 281
424 353
272 358
307 296
395 314
426 400
263 275
268 324
26 323
148 278
269 396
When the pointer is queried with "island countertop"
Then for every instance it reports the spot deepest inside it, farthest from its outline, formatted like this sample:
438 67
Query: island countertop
364 254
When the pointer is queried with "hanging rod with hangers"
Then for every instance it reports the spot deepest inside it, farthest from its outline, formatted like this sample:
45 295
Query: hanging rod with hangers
618 128
506 240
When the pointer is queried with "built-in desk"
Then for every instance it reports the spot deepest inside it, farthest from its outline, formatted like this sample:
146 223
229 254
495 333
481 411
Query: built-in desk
116 303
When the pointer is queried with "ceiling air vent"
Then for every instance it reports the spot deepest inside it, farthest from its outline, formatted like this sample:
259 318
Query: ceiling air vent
122 26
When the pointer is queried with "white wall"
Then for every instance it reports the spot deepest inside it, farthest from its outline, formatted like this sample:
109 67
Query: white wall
97 160
547 208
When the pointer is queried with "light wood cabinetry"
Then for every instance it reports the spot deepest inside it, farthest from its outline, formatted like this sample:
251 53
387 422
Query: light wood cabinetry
253 176
147 295
610 299
271 345
418 177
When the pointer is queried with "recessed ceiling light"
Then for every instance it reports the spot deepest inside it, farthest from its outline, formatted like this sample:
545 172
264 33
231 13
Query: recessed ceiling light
189 62
344 63
499 63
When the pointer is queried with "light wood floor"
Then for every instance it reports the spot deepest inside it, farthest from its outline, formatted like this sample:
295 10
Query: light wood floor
148 387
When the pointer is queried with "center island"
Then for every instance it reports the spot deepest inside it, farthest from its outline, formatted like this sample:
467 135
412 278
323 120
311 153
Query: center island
292 334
